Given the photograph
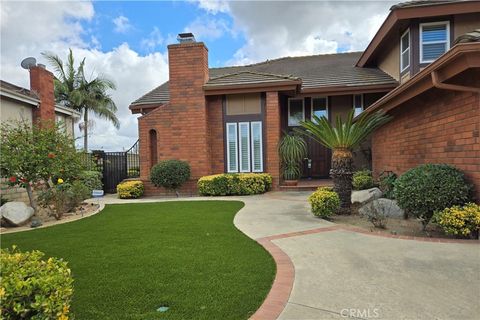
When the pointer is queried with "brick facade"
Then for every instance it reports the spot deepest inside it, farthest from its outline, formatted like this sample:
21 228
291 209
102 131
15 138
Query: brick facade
216 134
41 81
272 133
438 126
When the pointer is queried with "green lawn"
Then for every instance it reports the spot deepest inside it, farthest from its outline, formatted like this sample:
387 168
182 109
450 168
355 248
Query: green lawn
131 259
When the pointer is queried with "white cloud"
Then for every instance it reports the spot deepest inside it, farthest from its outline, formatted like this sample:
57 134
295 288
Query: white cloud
122 24
206 28
275 29
213 6
56 29
154 40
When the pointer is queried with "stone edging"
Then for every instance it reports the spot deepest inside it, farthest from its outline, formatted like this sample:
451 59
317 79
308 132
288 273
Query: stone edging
47 224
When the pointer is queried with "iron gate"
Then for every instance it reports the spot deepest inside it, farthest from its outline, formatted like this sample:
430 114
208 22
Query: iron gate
117 166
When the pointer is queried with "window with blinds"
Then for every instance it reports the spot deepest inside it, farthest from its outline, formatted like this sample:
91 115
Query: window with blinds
434 40
241 104
244 146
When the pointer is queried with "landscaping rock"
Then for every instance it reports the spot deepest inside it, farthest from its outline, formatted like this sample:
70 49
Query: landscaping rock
364 196
16 213
388 207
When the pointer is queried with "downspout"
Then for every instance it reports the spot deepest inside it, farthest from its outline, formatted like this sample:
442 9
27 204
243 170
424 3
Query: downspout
454 87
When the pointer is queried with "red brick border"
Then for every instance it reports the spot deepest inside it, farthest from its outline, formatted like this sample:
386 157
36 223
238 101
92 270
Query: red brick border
278 296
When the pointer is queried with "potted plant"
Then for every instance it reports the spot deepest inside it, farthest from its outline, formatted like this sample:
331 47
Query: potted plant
292 150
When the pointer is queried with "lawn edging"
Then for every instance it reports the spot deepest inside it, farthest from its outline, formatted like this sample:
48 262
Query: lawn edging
47 224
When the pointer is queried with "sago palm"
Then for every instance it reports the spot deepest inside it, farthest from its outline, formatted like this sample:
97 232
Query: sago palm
74 91
342 137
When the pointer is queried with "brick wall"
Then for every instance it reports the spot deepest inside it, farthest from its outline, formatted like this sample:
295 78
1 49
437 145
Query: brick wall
182 124
436 127
272 136
216 134
41 81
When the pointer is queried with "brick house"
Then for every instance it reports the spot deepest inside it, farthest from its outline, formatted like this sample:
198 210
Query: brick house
231 119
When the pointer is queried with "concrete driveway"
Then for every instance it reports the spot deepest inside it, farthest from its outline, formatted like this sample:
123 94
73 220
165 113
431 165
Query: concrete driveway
345 274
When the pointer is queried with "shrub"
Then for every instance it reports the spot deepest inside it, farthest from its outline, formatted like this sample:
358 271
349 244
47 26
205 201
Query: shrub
34 288
431 187
387 183
63 197
324 202
130 189
363 180
91 179
133 172
170 174
462 221
227 184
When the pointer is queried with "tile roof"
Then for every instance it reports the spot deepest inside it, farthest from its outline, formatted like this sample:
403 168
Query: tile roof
422 3
19 90
315 71
246 78
473 36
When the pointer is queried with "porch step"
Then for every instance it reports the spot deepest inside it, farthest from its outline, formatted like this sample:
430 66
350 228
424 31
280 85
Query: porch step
308 185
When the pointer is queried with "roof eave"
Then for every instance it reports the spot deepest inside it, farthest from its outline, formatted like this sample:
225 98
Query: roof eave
351 89
280 85
438 9
20 97
458 59
68 111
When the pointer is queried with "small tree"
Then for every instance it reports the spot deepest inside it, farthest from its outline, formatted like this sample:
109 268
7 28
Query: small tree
170 174
34 154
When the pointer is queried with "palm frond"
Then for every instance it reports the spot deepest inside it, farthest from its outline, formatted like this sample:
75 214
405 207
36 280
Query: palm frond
346 133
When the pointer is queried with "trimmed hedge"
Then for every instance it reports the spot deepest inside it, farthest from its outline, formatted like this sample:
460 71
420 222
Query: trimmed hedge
130 189
431 187
170 174
229 184
33 287
325 202
363 180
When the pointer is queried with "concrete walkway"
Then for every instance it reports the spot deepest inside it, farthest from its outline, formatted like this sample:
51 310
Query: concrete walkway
340 273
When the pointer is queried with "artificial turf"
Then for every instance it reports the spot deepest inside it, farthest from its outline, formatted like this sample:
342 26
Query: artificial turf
130 259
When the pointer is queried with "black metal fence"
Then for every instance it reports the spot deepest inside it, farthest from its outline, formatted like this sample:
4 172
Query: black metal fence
115 166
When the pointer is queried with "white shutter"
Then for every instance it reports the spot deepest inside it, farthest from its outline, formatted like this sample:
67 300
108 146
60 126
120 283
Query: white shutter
244 149
257 146
232 146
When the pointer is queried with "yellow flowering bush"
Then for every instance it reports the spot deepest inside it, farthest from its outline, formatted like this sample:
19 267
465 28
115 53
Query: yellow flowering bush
33 287
130 189
227 184
461 221
324 202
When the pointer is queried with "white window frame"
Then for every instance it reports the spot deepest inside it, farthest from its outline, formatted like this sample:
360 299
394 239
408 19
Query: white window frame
261 146
421 25
239 145
303 111
362 103
311 106
228 125
402 50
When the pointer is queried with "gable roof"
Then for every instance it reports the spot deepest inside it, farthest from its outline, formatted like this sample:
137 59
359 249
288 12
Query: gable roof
411 10
316 71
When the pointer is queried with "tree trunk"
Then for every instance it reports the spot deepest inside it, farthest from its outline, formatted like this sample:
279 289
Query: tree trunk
341 173
85 130
31 197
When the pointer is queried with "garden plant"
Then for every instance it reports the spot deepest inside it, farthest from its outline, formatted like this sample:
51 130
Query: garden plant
342 137
292 149
170 174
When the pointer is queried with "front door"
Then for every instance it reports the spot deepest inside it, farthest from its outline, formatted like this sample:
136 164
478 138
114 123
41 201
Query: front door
320 158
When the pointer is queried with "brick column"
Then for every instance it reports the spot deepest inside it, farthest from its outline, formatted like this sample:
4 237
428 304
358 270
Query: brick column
41 81
272 135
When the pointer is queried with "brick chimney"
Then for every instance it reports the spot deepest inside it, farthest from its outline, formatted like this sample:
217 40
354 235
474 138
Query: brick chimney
188 70
41 81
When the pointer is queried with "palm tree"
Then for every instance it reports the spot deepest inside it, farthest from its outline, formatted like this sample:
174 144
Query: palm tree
342 139
74 91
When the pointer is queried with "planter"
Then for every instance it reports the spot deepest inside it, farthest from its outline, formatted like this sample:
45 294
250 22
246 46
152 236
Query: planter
290 183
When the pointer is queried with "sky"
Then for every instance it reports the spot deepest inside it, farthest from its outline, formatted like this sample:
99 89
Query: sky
126 41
